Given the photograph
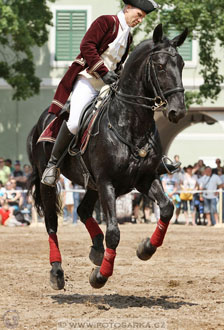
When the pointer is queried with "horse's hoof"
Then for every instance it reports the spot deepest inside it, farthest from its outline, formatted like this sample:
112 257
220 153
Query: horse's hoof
57 280
145 250
96 256
96 279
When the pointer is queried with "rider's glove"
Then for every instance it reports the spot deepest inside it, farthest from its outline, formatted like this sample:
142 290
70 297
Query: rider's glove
110 77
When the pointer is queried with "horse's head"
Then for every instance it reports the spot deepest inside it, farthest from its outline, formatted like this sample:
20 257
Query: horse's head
165 67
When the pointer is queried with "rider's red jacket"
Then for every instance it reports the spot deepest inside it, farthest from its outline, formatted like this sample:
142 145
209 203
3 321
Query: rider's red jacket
101 33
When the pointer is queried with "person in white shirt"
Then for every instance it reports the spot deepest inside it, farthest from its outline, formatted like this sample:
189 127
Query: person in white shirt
209 183
221 175
189 184
170 185
178 177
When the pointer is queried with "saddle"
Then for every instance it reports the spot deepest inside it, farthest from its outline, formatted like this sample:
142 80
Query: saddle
91 114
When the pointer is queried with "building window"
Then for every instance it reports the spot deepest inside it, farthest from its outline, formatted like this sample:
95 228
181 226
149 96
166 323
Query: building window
71 26
186 50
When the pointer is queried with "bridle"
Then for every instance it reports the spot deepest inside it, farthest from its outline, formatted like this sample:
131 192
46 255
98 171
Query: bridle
153 79
159 102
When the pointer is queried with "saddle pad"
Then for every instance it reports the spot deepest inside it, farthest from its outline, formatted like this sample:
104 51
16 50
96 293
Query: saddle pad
51 131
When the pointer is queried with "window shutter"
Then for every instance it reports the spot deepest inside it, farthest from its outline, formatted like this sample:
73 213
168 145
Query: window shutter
186 49
71 26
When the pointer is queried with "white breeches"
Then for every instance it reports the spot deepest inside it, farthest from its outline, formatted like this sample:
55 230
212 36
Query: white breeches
83 93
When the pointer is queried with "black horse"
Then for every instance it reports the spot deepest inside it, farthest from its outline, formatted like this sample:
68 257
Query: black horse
125 154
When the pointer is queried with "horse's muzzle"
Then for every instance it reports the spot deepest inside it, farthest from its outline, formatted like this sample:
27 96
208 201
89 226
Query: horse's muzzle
175 115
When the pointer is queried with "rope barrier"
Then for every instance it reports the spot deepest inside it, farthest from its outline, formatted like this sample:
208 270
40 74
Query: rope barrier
219 193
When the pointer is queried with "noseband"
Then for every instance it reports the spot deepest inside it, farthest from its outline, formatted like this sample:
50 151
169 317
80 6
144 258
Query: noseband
160 100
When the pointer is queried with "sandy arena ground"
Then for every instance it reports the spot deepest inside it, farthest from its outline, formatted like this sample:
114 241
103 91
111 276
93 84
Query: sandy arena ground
181 287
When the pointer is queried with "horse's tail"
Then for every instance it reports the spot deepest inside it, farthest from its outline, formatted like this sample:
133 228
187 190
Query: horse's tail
33 183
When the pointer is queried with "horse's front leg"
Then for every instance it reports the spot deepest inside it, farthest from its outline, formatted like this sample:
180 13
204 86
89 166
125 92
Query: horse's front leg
148 246
85 211
50 206
100 275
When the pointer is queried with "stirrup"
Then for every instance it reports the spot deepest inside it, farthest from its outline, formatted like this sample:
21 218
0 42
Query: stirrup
52 175
175 165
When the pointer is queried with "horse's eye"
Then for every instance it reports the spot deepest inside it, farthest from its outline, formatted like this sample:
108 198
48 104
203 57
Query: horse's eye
160 67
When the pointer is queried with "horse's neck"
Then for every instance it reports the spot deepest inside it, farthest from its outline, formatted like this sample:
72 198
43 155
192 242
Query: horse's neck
131 113
131 119
137 120
133 79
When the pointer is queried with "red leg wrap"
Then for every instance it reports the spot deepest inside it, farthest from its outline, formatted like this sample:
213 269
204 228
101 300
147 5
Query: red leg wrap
55 254
93 227
159 233
107 266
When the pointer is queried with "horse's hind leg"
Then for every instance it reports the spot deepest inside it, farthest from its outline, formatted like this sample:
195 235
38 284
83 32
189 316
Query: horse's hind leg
51 206
148 246
85 211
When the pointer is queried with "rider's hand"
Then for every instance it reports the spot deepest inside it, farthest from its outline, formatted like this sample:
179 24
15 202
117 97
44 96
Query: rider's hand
110 77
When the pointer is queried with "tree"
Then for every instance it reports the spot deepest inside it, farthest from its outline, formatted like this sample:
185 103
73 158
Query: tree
204 19
23 25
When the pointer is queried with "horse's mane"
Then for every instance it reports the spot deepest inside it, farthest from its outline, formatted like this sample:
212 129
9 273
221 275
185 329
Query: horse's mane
141 52
148 45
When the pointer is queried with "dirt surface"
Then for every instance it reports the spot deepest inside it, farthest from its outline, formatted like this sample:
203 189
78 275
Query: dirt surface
181 287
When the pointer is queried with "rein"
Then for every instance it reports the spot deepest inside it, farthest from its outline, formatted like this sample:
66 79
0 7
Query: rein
156 102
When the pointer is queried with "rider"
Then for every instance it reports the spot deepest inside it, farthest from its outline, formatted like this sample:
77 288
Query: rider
104 48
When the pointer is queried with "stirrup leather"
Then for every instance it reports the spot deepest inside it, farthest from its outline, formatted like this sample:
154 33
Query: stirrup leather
51 176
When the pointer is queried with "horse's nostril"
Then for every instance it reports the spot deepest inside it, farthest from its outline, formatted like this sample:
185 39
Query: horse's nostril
172 113
172 116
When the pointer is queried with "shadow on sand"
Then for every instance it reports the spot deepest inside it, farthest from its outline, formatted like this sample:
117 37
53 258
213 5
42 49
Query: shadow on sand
121 301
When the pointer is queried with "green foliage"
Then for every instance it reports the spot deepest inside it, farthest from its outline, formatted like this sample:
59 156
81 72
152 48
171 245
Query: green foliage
23 25
204 19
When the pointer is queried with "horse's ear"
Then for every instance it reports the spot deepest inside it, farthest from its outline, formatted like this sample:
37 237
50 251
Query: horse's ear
158 34
179 40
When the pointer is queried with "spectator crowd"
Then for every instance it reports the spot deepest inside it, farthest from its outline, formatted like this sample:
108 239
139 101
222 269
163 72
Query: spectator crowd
193 190
15 205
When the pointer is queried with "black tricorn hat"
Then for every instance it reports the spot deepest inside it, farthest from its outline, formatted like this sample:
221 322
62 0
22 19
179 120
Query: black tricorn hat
146 5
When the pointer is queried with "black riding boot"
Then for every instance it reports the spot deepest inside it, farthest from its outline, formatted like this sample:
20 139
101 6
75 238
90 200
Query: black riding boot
52 171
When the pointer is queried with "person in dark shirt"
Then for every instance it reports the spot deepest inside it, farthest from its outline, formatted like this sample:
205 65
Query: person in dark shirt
19 176
8 162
